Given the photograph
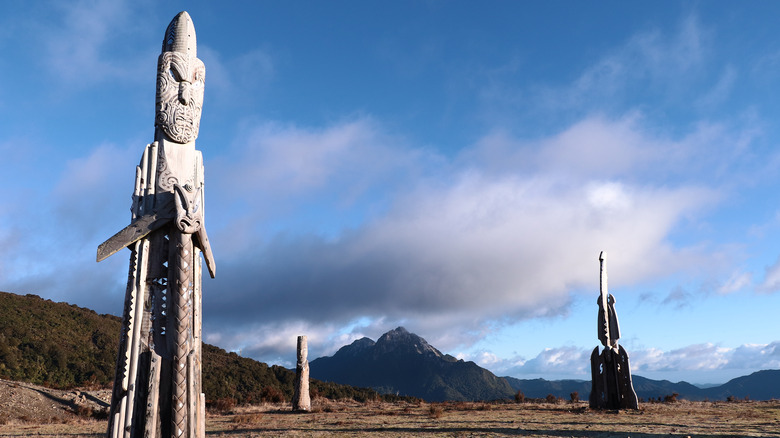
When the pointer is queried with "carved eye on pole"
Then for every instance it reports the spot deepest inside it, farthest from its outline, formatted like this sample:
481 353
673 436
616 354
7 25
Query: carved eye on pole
198 75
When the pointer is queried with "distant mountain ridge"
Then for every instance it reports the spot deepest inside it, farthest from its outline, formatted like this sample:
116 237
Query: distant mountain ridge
761 385
404 363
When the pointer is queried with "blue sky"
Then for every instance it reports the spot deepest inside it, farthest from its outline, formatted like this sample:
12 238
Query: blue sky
451 167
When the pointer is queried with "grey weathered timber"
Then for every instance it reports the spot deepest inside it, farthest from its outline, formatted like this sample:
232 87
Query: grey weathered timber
301 397
157 390
610 372
132 233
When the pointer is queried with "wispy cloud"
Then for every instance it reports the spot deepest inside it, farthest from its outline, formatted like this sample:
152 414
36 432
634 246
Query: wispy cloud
678 298
737 282
721 90
771 282
652 68
84 42
239 80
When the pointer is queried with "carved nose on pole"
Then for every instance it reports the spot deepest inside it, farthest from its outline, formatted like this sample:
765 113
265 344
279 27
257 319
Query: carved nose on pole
184 92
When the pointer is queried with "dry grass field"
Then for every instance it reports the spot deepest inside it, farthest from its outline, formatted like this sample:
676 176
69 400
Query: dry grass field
374 419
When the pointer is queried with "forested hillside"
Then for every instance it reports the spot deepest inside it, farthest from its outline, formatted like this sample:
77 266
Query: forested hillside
62 346
55 344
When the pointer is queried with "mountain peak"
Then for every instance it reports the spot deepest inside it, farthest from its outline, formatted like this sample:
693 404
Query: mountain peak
401 362
401 339
398 334
356 348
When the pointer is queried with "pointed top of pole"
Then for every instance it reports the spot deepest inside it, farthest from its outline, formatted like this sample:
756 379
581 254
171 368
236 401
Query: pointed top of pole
180 35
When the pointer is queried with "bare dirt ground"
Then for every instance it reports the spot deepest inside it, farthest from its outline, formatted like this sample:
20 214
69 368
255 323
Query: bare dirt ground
26 410
26 402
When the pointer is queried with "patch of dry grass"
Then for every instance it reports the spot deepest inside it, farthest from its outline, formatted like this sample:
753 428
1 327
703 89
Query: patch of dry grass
454 419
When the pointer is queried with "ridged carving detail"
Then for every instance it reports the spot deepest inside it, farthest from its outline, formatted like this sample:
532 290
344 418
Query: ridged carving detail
183 330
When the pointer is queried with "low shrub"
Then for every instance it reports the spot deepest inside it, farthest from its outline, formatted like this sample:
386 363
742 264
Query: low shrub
671 398
222 405
272 395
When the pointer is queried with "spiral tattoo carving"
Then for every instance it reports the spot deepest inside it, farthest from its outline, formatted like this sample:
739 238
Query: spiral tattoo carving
180 83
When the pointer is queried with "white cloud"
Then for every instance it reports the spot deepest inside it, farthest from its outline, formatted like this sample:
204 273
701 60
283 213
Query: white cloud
701 357
458 243
628 149
737 282
707 357
287 160
490 246
771 282
276 341
565 362
707 361
609 196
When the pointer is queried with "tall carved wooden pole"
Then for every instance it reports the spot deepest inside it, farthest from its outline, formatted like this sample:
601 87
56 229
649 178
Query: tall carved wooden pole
157 391
610 373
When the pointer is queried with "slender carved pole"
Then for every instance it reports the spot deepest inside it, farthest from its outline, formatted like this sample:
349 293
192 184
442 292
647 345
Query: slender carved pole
157 391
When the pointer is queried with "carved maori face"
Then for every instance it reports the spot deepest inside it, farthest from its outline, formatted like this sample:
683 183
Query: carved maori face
180 82
189 215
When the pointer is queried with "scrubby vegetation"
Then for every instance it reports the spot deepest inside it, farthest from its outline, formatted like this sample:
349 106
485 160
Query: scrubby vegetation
64 346
55 344
230 376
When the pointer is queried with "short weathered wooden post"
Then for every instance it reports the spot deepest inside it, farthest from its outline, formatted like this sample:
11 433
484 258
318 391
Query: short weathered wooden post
301 398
